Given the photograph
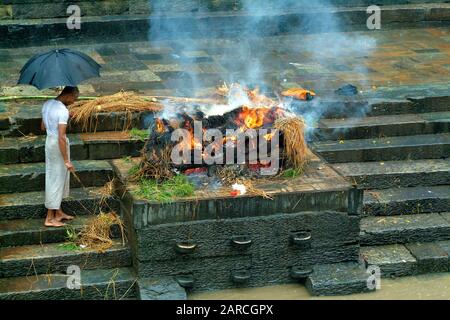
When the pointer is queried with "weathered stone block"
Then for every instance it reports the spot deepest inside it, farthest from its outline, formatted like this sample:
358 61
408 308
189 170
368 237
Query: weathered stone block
182 211
161 289
9 154
393 260
30 205
264 248
338 279
96 285
31 176
404 229
445 245
16 261
104 150
208 273
266 235
46 9
401 201
430 257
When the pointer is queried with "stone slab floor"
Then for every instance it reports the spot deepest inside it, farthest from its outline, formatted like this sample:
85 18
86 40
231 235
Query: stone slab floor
382 63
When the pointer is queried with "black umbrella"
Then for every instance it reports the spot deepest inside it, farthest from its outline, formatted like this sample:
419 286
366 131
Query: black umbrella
59 67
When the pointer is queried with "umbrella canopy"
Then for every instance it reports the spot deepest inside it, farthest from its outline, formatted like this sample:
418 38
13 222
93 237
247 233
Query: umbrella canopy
59 67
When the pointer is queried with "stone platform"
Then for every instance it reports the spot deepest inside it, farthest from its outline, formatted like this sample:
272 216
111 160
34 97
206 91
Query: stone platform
215 241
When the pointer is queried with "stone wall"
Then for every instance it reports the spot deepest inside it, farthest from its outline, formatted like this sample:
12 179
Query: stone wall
37 9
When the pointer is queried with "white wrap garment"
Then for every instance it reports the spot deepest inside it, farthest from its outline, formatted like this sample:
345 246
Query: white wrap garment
57 177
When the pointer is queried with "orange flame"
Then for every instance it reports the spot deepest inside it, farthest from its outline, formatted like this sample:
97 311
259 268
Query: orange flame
159 126
252 118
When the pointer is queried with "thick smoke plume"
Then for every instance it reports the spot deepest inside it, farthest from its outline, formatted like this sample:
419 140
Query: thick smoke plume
247 51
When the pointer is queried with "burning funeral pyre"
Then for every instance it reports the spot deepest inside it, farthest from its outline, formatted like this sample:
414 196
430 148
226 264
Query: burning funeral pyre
250 136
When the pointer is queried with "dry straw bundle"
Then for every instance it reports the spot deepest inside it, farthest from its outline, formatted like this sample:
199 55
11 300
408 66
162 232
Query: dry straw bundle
86 112
155 165
295 146
97 233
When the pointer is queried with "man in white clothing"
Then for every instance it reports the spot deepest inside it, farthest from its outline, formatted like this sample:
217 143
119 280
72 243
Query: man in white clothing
58 166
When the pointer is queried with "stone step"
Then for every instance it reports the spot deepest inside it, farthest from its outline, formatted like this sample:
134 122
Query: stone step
404 229
29 205
338 279
431 257
29 32
396 260
100 284
396 174
85 146
22 232
31 177
55 258
432 104
401 201
20 9
383 126
160 289
336 108
39 9
25 118
429 146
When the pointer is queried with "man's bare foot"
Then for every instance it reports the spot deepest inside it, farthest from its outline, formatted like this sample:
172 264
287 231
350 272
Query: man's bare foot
53 223
60 215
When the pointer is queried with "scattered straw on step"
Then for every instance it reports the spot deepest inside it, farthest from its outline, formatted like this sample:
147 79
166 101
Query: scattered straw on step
86 112
295 146
96 234
28 138
106 192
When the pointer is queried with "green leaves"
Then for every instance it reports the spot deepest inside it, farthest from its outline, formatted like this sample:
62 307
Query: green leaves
175 187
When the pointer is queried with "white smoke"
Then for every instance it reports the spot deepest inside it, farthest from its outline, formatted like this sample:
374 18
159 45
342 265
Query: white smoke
246 56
